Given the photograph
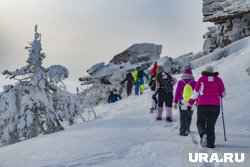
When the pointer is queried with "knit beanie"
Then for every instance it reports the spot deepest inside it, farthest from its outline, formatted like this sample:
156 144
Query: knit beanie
188 71
187 74
209 69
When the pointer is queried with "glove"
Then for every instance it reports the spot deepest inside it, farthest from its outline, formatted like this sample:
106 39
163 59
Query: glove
154 96
189 108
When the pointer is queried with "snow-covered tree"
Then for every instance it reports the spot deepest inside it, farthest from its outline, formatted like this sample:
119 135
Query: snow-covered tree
38 103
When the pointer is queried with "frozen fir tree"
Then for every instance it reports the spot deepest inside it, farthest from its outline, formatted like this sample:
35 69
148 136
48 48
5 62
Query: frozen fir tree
38 103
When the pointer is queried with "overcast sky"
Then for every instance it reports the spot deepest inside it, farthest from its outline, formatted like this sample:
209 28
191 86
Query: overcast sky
80 33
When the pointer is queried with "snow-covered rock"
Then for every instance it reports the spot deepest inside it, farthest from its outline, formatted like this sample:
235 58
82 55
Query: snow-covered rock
232 22
104 78
138 53
95 68
217 10
221 53
179 64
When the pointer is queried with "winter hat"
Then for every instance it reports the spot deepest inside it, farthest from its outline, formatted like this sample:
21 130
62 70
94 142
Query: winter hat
187 74
159 69
188 71
209 69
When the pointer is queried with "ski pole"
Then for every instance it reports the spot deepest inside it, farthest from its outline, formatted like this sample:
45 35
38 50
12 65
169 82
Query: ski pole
225 138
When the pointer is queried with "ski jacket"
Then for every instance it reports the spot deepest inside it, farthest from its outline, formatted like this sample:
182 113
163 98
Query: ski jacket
138 79
129 78
113 98
180 87
208 90
153 71
160 79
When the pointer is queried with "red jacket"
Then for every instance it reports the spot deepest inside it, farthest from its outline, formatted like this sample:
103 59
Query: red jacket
154 69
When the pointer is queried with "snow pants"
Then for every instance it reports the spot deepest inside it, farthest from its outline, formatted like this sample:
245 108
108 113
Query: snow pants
139 87
164 97
206 119
185 120
129 88
167 98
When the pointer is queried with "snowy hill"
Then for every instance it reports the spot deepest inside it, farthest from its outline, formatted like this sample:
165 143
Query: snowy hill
126 135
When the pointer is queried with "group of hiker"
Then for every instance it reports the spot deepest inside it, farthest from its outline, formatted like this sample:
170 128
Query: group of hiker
206 94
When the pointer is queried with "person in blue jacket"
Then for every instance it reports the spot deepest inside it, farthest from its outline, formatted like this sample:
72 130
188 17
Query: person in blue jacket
139 81
113 97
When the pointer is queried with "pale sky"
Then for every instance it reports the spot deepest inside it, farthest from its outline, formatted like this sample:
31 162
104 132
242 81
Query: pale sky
81 33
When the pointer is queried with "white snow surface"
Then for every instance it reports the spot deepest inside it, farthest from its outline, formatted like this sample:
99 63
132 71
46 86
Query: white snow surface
126 135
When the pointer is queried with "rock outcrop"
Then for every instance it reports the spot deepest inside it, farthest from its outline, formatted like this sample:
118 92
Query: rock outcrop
104 78
231 19
138 54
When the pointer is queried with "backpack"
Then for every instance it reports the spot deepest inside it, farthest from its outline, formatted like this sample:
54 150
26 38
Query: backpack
167 83
140 74
187 91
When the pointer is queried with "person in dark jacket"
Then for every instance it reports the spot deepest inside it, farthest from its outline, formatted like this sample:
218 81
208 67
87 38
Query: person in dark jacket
113 97
130 82
164 88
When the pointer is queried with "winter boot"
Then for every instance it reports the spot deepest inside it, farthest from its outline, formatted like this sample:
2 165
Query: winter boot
158 118
168 119
152 110
169 114
159 113
203 141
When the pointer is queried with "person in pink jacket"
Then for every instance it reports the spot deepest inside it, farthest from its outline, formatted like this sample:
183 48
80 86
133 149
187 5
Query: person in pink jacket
208 92
185 115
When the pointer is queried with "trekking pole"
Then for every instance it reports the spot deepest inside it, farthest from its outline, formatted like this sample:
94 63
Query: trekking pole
225 138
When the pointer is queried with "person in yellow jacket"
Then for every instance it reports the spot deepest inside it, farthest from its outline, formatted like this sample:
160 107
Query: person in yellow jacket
139 80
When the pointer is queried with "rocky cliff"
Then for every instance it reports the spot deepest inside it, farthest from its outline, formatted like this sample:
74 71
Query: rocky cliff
231 19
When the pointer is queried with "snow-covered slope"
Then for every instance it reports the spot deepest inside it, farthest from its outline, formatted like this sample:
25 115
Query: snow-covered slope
126 134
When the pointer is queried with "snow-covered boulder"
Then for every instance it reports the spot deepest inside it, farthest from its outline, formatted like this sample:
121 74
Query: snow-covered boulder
138 53
179 64
95 68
